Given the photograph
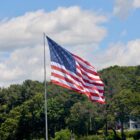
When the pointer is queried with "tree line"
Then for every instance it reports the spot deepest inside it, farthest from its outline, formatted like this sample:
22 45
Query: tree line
22 107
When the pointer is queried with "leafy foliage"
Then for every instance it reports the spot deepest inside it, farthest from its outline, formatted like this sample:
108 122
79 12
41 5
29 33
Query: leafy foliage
62 135
22 108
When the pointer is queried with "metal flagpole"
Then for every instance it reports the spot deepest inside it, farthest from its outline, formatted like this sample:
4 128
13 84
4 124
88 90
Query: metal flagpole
45 85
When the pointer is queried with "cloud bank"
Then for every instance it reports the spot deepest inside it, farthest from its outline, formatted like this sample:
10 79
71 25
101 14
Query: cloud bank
118 53
71 26
79 31
21 40
136 3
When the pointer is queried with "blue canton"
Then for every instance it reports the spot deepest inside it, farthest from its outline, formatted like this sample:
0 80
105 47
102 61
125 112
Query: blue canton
61 56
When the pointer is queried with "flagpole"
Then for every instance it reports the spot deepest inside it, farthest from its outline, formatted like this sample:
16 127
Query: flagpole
45 86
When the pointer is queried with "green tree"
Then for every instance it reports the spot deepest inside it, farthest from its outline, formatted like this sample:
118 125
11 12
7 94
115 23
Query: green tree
121 106
83 118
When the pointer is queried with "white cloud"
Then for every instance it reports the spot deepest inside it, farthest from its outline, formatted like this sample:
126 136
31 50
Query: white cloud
120 54
69 26
21 43
136 3
22 39
26 63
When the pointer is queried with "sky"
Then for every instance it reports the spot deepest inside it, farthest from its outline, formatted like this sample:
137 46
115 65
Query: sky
103 32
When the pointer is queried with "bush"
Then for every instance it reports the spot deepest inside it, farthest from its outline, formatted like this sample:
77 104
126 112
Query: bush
133 134
112 137
90 138
130 139
64 134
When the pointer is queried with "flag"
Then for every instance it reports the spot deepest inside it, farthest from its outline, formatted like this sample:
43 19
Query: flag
70 71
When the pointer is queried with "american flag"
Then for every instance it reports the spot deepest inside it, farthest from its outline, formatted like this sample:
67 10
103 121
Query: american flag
72 72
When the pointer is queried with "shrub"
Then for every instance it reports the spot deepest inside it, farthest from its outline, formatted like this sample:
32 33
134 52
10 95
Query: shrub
133 134
112 137
91 138
64 134
130 139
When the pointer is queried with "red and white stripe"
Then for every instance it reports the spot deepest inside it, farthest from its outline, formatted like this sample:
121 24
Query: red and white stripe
85 81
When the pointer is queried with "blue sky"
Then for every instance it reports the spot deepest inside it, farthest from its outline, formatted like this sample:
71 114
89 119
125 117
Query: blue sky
105 33
16 7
